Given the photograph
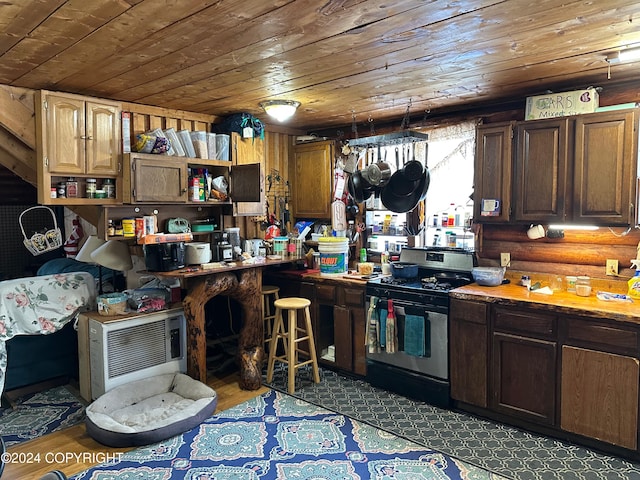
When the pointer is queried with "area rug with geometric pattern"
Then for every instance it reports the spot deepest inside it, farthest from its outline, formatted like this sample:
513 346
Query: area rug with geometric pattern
278 436
40 413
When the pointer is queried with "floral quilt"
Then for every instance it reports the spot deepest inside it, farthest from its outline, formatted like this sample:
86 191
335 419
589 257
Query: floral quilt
41 305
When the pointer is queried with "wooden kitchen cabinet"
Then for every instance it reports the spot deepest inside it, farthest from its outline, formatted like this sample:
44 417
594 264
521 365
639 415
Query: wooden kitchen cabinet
468 355
599 381
247 193
523 365
311 176
579 169
492 175
541 190
77 137
150 178
606 157
600 396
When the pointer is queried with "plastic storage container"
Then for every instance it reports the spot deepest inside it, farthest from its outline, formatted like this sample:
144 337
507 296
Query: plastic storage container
334 255
222 146
488 276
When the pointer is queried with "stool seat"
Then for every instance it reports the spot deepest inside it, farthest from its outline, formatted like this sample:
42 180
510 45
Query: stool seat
269 289
294 303
288 333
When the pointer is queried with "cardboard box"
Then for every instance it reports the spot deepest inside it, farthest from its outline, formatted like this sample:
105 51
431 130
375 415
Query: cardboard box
562 104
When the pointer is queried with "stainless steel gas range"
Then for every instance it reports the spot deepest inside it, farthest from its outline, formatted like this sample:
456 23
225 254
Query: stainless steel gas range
416 362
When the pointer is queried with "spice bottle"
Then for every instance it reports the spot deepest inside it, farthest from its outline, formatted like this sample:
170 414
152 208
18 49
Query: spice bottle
91 188
109 188
72 188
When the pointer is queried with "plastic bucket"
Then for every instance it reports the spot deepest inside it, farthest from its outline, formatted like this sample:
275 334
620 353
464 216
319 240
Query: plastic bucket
334 255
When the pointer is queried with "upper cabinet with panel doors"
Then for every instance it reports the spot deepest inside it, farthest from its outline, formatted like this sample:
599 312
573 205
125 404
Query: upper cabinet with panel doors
492 176
77 137
579 169
311 174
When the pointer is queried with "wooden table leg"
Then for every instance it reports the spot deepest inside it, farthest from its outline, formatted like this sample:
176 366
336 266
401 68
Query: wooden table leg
244 286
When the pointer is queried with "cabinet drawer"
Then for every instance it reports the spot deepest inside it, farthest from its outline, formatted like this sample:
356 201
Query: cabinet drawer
353 297
525 322
608 337
464 310
326 293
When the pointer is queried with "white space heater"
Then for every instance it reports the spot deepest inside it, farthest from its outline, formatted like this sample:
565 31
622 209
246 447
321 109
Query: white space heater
128 350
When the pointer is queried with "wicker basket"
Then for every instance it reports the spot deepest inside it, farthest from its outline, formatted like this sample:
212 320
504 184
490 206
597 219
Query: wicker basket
40 243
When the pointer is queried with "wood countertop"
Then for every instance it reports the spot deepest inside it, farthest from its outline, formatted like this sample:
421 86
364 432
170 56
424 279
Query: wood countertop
222 267
559 302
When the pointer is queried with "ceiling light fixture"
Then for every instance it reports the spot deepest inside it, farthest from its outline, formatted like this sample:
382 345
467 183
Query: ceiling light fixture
626 55
281 110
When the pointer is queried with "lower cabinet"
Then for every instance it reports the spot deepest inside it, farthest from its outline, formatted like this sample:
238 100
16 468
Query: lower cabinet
468 355
523 377
574 375
600 396
523 365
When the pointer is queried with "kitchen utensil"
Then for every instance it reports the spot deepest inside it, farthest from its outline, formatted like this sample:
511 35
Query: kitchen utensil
403 203
404 270
338 216
358 187
413 169
398 184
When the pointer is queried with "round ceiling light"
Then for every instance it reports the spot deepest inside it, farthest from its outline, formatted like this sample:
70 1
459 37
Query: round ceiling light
281 110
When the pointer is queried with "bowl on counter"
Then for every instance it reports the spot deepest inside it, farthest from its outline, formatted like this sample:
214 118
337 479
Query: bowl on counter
488 276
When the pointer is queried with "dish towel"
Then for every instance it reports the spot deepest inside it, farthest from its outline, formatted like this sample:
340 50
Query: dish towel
383 327
391 337
372 334
414 335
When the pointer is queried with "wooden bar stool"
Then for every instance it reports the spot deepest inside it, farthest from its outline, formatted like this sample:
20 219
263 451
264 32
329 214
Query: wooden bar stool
291 340
270 293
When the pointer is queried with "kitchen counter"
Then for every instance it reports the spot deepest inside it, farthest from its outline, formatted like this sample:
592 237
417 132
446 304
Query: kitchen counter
561 301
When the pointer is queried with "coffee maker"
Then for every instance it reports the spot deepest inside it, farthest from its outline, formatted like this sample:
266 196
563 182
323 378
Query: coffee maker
221 249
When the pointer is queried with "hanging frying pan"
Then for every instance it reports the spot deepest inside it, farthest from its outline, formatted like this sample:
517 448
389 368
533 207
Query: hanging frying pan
398 183
413 168
425 187
403 203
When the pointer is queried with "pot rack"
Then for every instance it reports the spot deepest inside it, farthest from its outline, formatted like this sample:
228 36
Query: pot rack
386 139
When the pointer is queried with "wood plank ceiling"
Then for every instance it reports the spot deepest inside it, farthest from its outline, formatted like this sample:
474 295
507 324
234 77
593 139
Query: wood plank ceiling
342 59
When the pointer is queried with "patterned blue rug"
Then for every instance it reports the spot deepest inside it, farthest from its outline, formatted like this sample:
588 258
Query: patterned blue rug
40 413
277 436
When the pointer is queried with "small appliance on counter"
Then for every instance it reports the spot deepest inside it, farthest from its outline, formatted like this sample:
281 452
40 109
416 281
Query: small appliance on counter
164 257
222 250
197 253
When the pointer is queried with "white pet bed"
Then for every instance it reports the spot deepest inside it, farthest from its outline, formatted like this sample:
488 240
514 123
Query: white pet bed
149 410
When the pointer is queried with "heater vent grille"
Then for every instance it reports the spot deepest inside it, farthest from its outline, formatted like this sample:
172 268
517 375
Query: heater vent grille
134 348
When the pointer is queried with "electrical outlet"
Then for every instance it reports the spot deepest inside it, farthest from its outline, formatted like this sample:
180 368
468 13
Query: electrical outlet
505 259
612 267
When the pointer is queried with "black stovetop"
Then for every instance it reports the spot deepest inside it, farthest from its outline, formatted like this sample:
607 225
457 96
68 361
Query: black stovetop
439 270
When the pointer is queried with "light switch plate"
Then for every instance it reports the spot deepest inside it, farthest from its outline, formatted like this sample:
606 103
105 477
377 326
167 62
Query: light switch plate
505 259
612 267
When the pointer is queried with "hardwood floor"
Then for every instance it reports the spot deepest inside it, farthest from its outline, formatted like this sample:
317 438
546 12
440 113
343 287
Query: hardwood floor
71 450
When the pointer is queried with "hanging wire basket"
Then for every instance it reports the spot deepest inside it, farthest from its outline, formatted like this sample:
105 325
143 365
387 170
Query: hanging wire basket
40 243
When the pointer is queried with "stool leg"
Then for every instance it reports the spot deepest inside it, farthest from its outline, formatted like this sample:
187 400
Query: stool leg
293 350
275 335
268 324
312 346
